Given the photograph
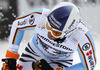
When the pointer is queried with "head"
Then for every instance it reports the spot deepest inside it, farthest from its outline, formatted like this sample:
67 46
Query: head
62 20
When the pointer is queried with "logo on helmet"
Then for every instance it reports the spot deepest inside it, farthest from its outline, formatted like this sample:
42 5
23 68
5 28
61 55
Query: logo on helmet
58 23
53 21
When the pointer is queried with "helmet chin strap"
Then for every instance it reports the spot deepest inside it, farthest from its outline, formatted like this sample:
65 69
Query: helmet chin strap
66 34
69 32
60 40
72 27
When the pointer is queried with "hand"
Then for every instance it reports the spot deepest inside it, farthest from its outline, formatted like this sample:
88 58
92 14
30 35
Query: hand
41 65
10 64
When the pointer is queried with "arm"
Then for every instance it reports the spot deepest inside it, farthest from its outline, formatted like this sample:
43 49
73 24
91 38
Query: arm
20 25
86 51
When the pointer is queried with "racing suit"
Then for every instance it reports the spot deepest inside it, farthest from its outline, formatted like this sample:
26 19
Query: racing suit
41 47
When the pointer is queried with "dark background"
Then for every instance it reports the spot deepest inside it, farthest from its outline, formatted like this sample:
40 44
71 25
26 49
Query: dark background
8 12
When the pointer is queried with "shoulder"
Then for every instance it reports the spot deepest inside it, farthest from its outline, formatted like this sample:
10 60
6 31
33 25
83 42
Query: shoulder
40 11
79 33
32 16
81 28
45 11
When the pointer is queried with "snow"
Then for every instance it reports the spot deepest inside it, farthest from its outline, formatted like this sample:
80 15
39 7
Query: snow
13 15
10 7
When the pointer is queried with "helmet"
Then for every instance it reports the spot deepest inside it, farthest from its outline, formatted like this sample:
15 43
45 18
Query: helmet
62 19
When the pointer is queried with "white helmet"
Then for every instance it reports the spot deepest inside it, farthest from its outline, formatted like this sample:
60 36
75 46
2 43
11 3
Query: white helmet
64 18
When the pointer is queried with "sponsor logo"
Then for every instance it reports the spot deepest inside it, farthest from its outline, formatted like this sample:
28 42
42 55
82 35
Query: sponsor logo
89 53
31 20
91 62
86 46
52 51
90 59
74 40
69 31
55 44
19 67
54 21
42 27
22 23
80 29
58 23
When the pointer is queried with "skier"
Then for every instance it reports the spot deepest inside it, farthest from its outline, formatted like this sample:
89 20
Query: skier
58 34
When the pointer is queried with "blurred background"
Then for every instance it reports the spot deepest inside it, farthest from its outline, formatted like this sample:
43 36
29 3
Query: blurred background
11 9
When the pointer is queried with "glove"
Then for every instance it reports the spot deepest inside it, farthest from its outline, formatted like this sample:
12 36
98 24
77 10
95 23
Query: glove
41 65
10 61
10 64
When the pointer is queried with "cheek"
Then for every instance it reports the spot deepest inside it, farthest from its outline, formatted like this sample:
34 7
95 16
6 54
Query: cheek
50 36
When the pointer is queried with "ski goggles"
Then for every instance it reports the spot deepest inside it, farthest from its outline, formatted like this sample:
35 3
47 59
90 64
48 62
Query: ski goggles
53 31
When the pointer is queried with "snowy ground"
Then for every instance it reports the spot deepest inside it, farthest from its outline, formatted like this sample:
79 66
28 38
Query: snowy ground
91 17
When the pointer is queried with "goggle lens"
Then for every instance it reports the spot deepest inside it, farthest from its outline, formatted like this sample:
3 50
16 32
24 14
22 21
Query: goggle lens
54 32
